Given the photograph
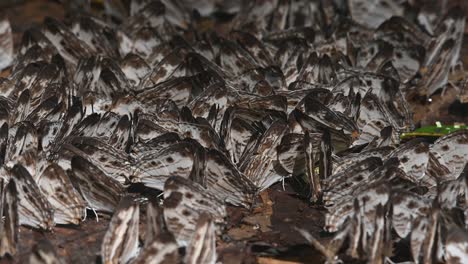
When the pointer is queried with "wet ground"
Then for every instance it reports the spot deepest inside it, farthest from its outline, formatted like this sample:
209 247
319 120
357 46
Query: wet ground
266 234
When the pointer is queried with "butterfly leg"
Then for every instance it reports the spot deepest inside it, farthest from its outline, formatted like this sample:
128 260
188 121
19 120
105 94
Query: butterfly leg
95 213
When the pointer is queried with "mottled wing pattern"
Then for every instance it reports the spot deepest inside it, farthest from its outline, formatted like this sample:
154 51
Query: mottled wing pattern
165 69
135 68
217 96
450 28
290 150
9 229
407 208
452 193
70 47
368 200
254 47
6 44
238 129
163 249
48 136
153 168
451 156
437 74
373 13
376 245
101 192
317 70
423 236
226 181
34 209
443 52
112 161
184 201
44 252
97 35
146 129
178 90
120 243
202 247
407 61
354 158
371 120
260 167
203 133
325 117
121 137
414 159
155 144
339 186
456 246
66 202
155 225
23 148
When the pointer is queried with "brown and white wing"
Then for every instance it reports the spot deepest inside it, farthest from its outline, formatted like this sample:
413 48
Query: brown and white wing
368 196
339 186
66 202
23 147
414 159
181 159
407 208
202 248
372 13
226 181
155 225
44 252
260 167
34 209
451 156
120 243
456 246
70 47
101 192
135 68
184 202
9 229
114 162
6 44
162 250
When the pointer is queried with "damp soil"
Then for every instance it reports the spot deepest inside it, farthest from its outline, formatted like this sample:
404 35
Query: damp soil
264 234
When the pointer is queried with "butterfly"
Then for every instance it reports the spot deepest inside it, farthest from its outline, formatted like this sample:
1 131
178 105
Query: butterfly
43 252
202 247
120 243
66 202
159 244
33 207
372 14
184 202
67 44
9 230
6 44
100 192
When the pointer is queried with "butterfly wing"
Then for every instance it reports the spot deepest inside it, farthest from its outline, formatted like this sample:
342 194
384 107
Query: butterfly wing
34 209
184 202
9 229
120 243
101 192
67 204
202 247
